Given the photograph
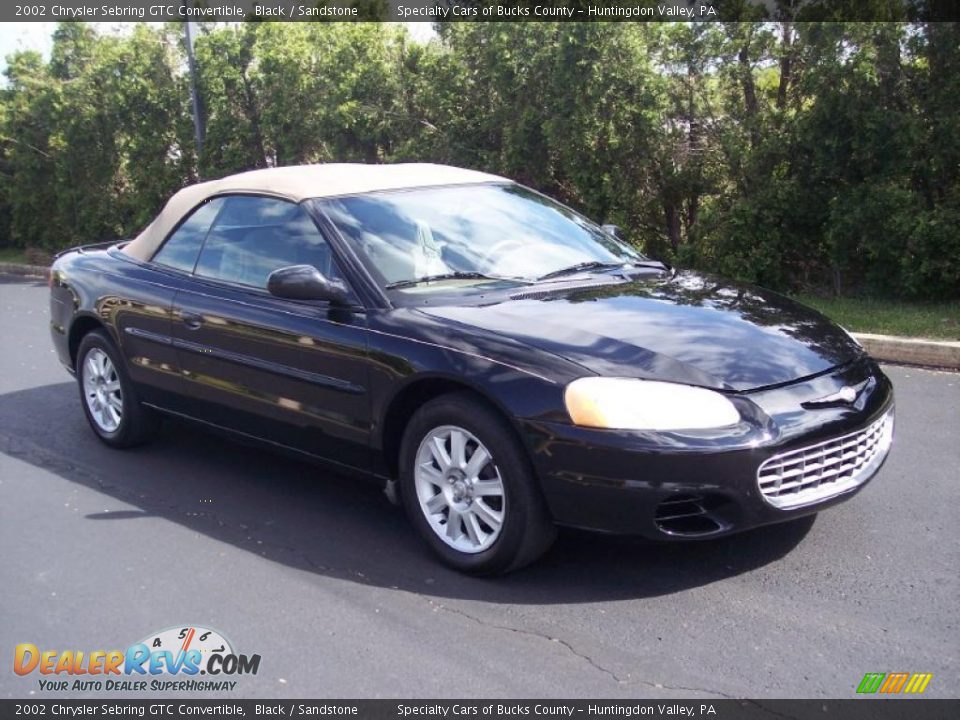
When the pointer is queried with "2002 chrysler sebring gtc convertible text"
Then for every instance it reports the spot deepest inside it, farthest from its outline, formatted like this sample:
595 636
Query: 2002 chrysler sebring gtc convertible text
502 361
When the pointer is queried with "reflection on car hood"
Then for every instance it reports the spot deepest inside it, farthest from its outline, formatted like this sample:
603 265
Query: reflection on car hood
689 328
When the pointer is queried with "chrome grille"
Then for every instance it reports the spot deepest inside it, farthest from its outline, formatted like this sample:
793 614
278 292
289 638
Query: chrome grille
817 472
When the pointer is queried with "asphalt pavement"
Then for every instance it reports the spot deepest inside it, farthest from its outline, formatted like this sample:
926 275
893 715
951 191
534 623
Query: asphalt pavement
326 581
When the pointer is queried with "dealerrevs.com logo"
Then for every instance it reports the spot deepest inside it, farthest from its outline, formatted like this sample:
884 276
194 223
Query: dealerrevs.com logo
169 660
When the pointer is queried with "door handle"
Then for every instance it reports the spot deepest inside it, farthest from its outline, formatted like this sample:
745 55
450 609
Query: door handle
192 321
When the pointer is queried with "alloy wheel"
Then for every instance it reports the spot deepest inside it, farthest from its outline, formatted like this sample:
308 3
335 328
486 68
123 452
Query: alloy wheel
101 390
459 488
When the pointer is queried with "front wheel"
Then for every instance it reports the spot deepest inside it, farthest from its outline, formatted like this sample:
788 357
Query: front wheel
108 397
468 488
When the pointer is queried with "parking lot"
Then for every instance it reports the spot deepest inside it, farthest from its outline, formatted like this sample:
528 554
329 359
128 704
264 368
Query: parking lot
324 579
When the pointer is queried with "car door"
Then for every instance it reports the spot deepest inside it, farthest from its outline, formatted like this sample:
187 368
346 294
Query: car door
144 309
290 372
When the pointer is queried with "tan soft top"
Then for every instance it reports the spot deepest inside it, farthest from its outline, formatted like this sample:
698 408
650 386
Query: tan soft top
299 182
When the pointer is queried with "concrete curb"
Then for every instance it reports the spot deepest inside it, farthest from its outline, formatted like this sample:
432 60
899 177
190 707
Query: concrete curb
911 351
888 348
26 270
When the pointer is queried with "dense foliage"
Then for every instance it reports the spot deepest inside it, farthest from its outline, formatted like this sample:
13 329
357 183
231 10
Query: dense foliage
797 155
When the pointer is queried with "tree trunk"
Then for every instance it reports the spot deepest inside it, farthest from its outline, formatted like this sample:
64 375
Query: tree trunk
749 92
672 218
693 214
786 64
694 151
253 113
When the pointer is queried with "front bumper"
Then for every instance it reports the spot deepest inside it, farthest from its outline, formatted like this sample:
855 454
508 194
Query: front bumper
670 486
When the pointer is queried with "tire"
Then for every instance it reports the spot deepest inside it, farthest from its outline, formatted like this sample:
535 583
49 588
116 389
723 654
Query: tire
107 395
436 480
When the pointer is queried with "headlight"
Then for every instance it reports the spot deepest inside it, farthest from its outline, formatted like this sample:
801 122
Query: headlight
630 404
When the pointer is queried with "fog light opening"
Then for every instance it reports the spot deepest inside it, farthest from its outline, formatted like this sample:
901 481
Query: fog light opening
689 515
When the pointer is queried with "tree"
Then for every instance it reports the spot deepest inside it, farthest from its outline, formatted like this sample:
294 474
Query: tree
785 150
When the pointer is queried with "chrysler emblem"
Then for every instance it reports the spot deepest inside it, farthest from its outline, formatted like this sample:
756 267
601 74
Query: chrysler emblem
846 395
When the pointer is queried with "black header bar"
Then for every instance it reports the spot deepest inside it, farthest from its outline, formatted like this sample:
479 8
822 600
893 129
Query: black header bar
673 709
479 10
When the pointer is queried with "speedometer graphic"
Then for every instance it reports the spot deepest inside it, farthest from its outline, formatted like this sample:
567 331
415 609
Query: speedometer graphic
183 639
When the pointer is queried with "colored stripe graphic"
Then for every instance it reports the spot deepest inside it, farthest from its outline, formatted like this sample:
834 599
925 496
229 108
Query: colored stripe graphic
918 683
894 682
871 682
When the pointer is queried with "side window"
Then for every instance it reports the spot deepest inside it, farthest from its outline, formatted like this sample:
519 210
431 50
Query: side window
254 236
181 248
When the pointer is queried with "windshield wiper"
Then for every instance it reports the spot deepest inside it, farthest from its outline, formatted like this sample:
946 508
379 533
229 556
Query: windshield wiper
580 267
458 275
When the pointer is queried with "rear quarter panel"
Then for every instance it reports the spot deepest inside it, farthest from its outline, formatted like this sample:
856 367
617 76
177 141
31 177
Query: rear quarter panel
132 302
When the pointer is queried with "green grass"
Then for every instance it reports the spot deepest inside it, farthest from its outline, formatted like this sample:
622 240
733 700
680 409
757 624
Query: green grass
12 255
891 317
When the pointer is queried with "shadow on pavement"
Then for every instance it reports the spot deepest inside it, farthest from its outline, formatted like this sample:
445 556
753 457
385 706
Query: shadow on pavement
305 517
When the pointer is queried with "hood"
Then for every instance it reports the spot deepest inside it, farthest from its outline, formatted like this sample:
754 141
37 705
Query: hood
689 328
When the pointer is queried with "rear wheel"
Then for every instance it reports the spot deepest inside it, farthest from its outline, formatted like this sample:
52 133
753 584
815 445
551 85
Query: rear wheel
108 397
468 488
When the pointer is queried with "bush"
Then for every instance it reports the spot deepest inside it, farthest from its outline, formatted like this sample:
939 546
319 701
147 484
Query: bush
801 155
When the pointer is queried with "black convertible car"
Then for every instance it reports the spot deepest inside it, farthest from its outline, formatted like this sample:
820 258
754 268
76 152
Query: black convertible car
503 364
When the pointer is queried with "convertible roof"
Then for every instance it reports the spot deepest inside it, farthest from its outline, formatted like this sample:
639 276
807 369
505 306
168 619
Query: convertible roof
299 182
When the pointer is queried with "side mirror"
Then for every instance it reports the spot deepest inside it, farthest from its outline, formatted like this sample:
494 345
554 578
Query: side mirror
612 230
305 282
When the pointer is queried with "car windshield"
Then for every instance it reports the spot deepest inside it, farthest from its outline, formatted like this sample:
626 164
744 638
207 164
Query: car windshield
469 234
